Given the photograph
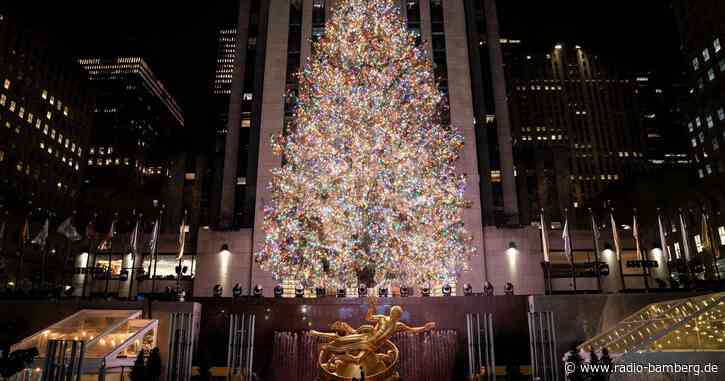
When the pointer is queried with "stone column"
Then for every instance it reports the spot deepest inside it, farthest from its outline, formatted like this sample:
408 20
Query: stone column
231 150
306 46
426 35
461 109
503 122
272 118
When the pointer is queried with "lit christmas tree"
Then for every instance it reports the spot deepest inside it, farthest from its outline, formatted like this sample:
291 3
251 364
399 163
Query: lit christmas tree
368 183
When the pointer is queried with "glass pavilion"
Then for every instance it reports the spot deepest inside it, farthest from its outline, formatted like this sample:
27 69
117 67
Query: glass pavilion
694 324
110 339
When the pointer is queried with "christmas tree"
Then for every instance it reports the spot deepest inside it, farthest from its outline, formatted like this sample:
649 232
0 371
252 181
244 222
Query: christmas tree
368 182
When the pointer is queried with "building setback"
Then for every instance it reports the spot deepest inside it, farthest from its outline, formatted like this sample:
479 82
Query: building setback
132 161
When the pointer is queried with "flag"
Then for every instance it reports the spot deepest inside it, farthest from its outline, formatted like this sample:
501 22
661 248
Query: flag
133 242
685 239
154 242
107 240
25 233
595 228
182 238
42 236
663 237
68 230
706 242
615 237
635 235
567 239
544 238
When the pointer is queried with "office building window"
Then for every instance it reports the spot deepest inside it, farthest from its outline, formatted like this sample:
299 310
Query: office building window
721 233
698 122
678 253
721 113
690 127
3 99
12 105
45 94
722 64
710 121
693 141
705 55
698 243
695 64
6 85
716 45
700 173
711 74
708 168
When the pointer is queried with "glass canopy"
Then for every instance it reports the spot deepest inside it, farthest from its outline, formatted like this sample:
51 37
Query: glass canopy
110 337
682 325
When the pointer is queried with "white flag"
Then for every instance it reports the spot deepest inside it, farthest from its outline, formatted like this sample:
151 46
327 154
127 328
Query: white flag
68 230
182 238
567 239
544 238
663 238
42 235
615 237
154 242
635 234
685 239
133 242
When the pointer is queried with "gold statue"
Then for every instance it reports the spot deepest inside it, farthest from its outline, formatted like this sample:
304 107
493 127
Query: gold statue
366 349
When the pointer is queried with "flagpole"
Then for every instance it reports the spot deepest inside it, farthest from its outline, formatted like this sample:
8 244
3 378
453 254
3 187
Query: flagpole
714 246
24 236
92 250
67 256
181 251
110 254
133 253
618 248
640 253
545 251
595 237
155 254
570 248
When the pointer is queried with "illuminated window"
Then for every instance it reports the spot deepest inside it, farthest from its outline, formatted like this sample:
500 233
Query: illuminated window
722 64
716 45
695 63
21 112
708 168
52 134
190 176
698 243
48 115
700 173
3 99
45 94
715 145
30 117
246 123
6 85
12 105
37 123
711 74
52 100
65 110
693 141
721 114
710 121
45 129
2 155
677 249
706 55
721 233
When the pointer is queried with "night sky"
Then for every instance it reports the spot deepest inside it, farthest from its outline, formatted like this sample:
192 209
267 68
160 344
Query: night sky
179 38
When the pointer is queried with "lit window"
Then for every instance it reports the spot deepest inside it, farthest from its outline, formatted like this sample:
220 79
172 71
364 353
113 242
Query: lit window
695 63
73 147
708 168
702 137
3 99
21 112
52 134
715 145
45 94
6 85
45 129
710 121
12 105
721 233
705 55
698 243
190 176
722 64
677 250
65 110
2 156
48 115
711 74
698 123
701 173
716 45
693 141
721 114
37 123
30 117
42 145
52 100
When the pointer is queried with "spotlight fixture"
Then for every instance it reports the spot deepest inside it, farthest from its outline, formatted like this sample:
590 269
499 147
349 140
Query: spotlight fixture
425 291
224 247
383 292
320 292
405 291
123 276
487 288
299 291
278 291
258 291
508 288
237 291
467 289
362 290
218 290
341 293
447 290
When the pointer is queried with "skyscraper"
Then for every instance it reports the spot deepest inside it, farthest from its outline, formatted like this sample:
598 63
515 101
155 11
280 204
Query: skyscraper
129 157
46 117
577 128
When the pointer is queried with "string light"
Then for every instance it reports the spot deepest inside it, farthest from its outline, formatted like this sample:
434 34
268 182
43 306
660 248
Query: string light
368 180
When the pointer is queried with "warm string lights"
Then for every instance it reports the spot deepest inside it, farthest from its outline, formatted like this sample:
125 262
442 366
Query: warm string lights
368 182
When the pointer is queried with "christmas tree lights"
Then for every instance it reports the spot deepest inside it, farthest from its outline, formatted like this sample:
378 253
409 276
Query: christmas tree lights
368 180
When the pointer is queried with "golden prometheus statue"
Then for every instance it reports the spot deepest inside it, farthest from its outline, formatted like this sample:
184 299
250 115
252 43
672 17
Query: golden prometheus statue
367 349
